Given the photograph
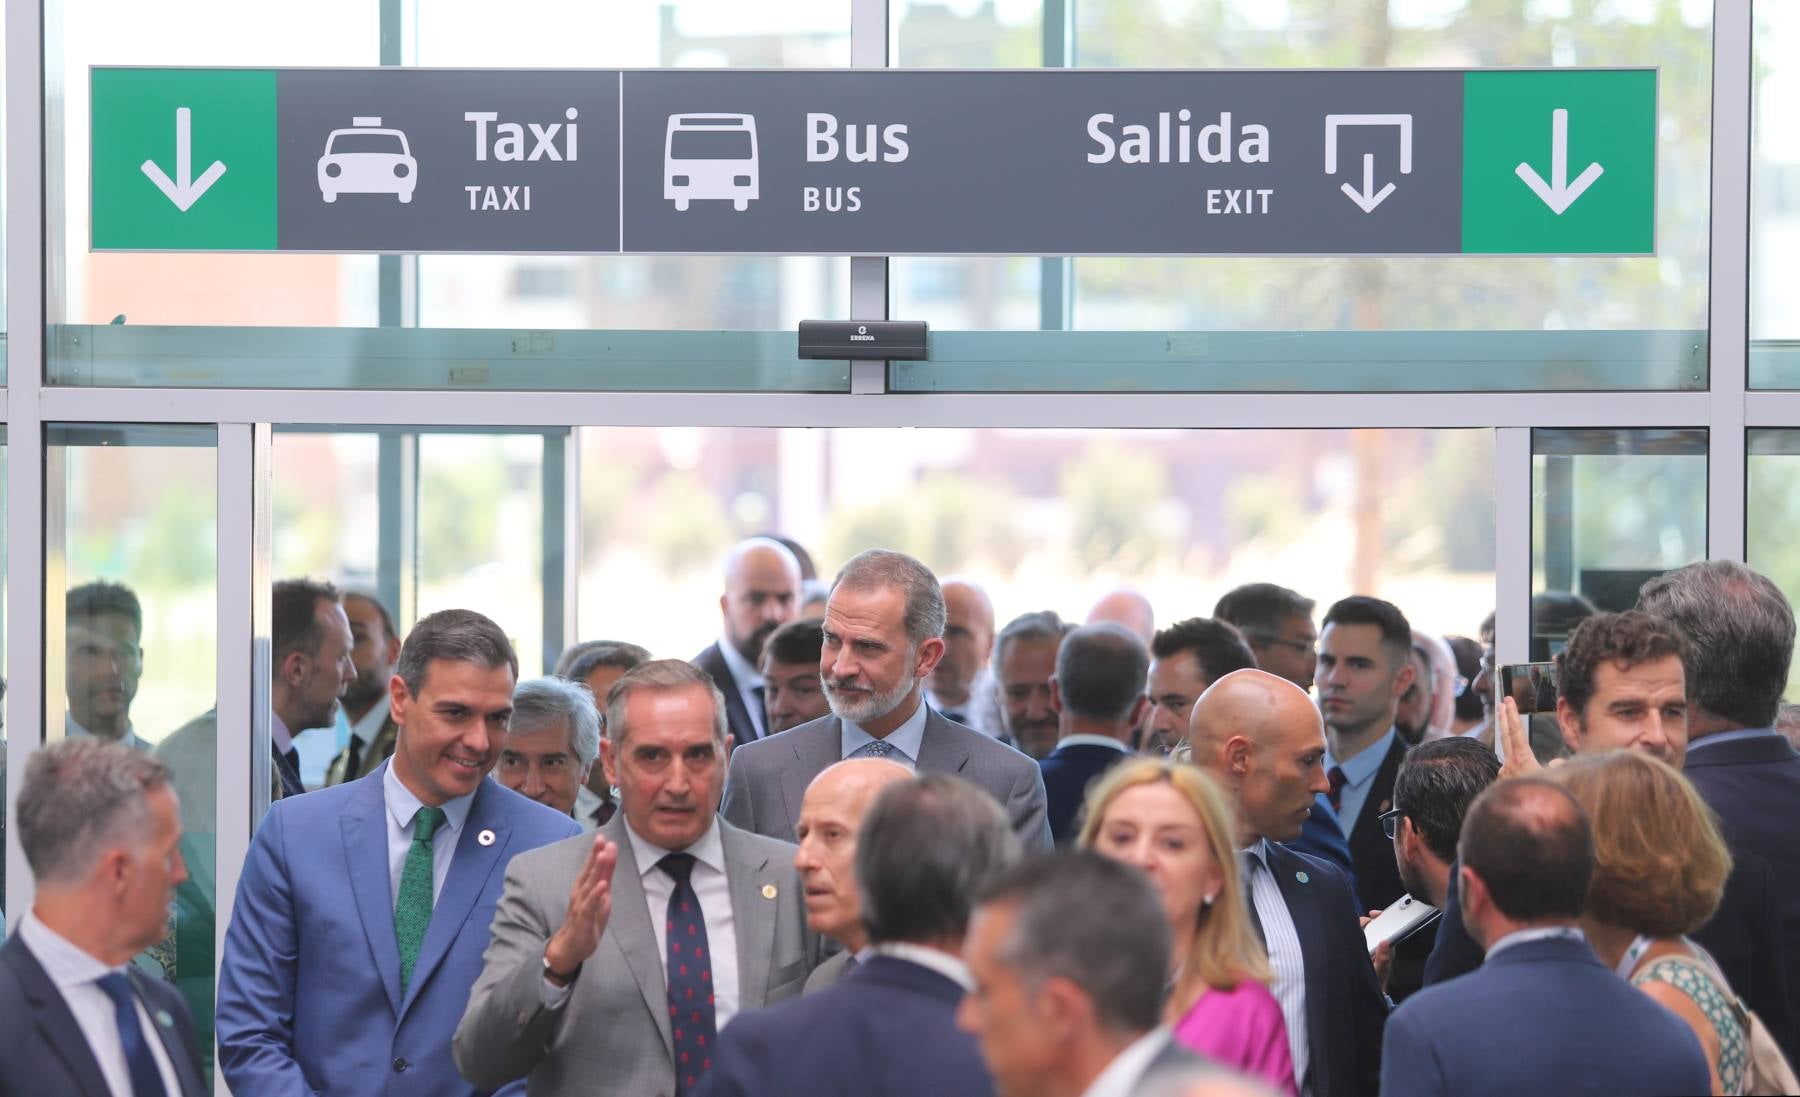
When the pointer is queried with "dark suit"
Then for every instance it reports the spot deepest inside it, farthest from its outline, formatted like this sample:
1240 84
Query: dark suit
1540 1017
358 760
1068 770
1377 875
768 778
1454 952
1754 786
46 1052
1345 1010
737 717
1321 838
888 1030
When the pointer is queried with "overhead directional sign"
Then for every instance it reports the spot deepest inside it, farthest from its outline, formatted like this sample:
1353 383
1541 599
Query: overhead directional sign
877 162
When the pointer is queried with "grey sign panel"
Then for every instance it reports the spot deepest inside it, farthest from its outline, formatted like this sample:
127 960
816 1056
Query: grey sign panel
448 160
1047 162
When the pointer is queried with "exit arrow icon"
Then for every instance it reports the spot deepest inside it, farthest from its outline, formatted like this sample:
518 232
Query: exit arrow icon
1368 198
184 190
1559 194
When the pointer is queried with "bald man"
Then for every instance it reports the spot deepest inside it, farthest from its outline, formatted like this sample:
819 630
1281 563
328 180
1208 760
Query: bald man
960 682
1126 606
1261 737
831 815
762 593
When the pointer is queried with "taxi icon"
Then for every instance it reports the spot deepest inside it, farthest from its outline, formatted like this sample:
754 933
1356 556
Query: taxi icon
367 159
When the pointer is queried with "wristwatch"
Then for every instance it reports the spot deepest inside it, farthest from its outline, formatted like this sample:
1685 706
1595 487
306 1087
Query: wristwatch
557 977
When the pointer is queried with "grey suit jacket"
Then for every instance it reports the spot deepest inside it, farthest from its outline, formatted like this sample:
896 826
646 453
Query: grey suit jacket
768 778
828 974
611 1036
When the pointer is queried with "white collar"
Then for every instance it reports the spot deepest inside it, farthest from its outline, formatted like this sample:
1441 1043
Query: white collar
402 805
364 729
1082 739
709 850
745 675
1122 1075
943 963
66 963
279 735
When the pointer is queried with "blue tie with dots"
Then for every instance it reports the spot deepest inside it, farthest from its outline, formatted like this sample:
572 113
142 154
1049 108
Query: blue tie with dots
691 1018
146 1080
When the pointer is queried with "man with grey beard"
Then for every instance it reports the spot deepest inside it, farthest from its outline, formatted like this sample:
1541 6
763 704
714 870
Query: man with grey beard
884 628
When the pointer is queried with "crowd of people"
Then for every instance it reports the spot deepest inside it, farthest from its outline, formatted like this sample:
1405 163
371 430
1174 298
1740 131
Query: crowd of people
871 842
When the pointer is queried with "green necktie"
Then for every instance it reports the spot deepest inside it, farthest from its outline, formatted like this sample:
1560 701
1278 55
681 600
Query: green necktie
412 913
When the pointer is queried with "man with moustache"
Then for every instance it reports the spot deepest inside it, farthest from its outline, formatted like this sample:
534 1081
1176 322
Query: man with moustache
762 593
1025 661
884 627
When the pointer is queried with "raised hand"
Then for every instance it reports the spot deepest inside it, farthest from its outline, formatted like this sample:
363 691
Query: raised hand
590 905
1518 761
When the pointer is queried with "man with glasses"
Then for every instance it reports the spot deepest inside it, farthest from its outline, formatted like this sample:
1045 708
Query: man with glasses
103 662
1278 624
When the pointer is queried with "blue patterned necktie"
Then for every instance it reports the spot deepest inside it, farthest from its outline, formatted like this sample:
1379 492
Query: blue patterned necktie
691 1017
878 748
146 1080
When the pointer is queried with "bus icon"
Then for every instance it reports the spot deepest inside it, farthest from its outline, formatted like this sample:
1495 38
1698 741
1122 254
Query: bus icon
710 157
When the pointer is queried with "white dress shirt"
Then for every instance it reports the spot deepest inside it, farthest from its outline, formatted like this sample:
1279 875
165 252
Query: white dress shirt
748 680
72 729
76 975
402 806
906 740
1124 1074
1285 956
950 967
714 891
1083 739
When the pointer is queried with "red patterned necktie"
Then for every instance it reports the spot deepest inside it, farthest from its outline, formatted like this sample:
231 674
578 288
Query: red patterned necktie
1335 777
691 1018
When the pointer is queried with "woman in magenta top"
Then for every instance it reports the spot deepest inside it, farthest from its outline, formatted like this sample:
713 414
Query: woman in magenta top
1172 821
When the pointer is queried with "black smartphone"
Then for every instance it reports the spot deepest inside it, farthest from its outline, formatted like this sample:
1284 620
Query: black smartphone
1532 686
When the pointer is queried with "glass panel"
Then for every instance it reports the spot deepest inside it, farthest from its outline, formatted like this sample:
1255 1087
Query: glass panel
370 308
1623 305
131 638
1040 516
1610 509
1774 200
1772 513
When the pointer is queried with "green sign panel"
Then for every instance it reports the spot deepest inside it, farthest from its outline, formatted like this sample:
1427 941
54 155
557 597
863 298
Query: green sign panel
1559 161
184 159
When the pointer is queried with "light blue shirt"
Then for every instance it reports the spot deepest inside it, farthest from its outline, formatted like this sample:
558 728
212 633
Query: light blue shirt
402 806
905 739
1539 933
1359 776
1286 960
1729 737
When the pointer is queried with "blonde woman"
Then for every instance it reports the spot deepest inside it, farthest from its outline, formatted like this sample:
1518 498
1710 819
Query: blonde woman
1173 822
1659 871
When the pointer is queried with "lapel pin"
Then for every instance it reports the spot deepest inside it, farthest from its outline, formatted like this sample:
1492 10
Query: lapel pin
1302 877
768 891
486 837
163 1019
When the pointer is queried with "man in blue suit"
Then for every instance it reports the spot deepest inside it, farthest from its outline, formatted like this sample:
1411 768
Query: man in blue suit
1098 695
926 849
364 908
1542 1015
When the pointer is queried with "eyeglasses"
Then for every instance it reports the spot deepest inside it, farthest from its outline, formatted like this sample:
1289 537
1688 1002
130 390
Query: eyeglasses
1303 647
1390 822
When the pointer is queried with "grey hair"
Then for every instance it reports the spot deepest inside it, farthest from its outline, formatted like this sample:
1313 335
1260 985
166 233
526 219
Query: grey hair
1043 624
875 569
659 675
1740 631
584 658
81 797
540 703
458 635
1094 921
925 851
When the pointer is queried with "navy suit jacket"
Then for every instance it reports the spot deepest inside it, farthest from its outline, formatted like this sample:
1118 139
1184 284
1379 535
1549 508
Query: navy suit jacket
1754 786
1541 1017
1455 952
309 991
1377 874
1345 1009
1321 838
737 717
1068 770
46 1052
887 1030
